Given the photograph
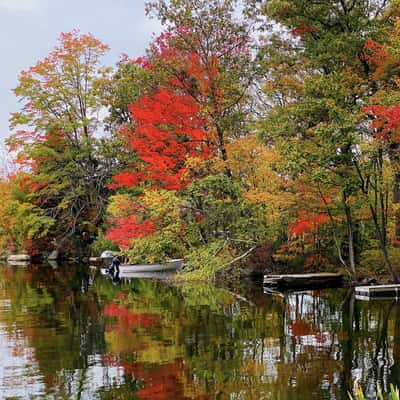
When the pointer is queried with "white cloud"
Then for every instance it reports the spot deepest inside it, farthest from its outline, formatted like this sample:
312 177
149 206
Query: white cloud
18 5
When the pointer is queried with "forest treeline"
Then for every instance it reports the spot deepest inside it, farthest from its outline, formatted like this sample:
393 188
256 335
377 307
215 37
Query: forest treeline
267 129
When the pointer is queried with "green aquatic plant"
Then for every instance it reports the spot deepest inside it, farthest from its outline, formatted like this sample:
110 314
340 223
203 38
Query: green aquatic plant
359 395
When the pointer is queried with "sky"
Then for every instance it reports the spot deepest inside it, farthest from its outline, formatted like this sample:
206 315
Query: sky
29 30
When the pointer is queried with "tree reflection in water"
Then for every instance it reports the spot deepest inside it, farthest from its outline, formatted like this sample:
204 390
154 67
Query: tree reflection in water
72 334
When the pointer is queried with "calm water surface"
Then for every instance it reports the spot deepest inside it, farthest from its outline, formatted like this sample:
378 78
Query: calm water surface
68 333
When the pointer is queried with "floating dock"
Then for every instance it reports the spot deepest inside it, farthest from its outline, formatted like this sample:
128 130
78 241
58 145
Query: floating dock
381 292
317 280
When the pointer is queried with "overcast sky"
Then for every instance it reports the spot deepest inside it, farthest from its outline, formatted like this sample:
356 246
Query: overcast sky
29 30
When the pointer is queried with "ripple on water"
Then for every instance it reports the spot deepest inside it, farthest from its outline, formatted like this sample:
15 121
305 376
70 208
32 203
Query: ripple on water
149 340
19 373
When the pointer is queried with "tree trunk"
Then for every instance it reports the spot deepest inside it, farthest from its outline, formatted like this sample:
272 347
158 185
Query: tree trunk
382 197
396 200
222 150
350 234
381 231
382 245
335 239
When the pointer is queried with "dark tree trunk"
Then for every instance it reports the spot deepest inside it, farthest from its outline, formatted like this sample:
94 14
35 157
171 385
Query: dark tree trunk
350 235
396 200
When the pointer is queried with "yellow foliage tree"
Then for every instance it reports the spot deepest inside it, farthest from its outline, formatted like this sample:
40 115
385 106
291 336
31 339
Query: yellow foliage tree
257 167
20 221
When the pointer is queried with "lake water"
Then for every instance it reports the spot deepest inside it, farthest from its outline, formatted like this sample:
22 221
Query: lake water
69 333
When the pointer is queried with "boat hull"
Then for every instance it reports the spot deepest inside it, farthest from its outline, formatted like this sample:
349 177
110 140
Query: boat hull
173 265
162 275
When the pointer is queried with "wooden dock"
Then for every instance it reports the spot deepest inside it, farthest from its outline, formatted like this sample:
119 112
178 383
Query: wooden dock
300 281
381 292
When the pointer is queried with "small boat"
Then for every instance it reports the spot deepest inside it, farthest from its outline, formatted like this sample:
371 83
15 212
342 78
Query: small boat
19 258
128 276
172 265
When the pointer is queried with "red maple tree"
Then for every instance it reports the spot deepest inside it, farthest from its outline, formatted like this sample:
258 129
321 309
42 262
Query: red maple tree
169 130
307 223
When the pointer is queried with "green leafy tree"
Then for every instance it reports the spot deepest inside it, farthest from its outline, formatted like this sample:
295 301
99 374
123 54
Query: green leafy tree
60 141
317 79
